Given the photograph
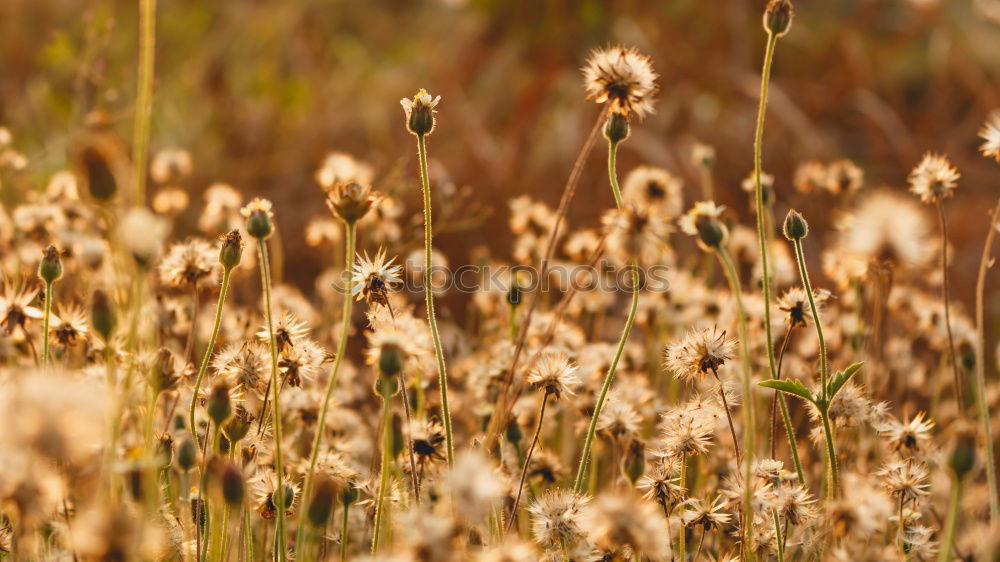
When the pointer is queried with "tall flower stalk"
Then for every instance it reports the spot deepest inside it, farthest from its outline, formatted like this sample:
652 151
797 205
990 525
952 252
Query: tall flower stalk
260 226
50 270
615 130
777 21
230 256
420 121
981 400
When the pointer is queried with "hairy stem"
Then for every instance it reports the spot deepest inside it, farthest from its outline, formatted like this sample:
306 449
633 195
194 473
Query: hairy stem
429 297
45 326
226 274
383 485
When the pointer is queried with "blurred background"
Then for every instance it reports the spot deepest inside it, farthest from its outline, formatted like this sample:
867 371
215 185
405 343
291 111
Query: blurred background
260 90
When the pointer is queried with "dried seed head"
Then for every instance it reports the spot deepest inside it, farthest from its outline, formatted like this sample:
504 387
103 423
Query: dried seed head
778 17
623 78
320 508
420 113
350 201
796 227
219 406
50 269
231 252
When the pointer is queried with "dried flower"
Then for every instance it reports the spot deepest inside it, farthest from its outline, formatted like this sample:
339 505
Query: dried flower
378 277
699 353
933 179
554 374
990 133
623 78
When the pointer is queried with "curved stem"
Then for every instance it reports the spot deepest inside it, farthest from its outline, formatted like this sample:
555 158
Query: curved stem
610 377
527 462
331 383
386 459
45 326
144 98
748 421
981 402
226 274
959 397
429 297
265 274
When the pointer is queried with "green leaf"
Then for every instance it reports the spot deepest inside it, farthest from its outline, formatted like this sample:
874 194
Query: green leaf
791 387
840 379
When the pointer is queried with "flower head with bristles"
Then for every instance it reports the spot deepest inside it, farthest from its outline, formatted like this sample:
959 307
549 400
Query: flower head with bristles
623 78
795 303
377 276
934 178
699 353
555 374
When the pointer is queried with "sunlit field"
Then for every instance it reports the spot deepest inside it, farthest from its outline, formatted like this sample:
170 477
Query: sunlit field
501 281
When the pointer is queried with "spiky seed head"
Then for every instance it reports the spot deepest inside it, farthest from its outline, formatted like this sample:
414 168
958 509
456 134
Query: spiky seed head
778 17
795 227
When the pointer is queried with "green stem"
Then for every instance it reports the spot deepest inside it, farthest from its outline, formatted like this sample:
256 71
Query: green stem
45 326
429 296
824 368
345 332
610 377
831 454
748 419
778 537
385 392
981 402
944 553
682 542
343 531
265 277
226 275
144 98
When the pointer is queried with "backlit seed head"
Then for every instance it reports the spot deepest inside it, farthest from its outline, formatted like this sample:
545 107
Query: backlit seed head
350 201
420 113
50 269
795 227
260 223
778 17
231 252
623 78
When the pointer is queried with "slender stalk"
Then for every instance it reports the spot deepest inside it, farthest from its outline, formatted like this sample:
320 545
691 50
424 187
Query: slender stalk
610 377
383 485
774 397
195 309
429 297
682 540
777 535
981 402
899 530
944 554
729 417
343 531
748 420
409 438
45 326
527 462
959 397
823 370
226 275
265 275
144 98
331 382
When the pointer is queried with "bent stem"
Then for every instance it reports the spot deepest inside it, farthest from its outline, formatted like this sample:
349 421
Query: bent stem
345 331
610 377
748 420
265 277
957 377
429 297
981 403
383 485
226 274
527 462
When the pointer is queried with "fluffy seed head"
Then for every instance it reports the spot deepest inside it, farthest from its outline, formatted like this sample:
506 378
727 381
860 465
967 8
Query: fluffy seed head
934 178
621 77
554 374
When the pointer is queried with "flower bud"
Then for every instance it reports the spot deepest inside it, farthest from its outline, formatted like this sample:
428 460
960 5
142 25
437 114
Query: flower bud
321 504
350 201
420 113
231 252
711 232
233 487
634 463
259 218
350 493
102 315
616 129
237 427
796 227
187 454
219 407
164 451
963 451
50 269
778 17
390 361
514 433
